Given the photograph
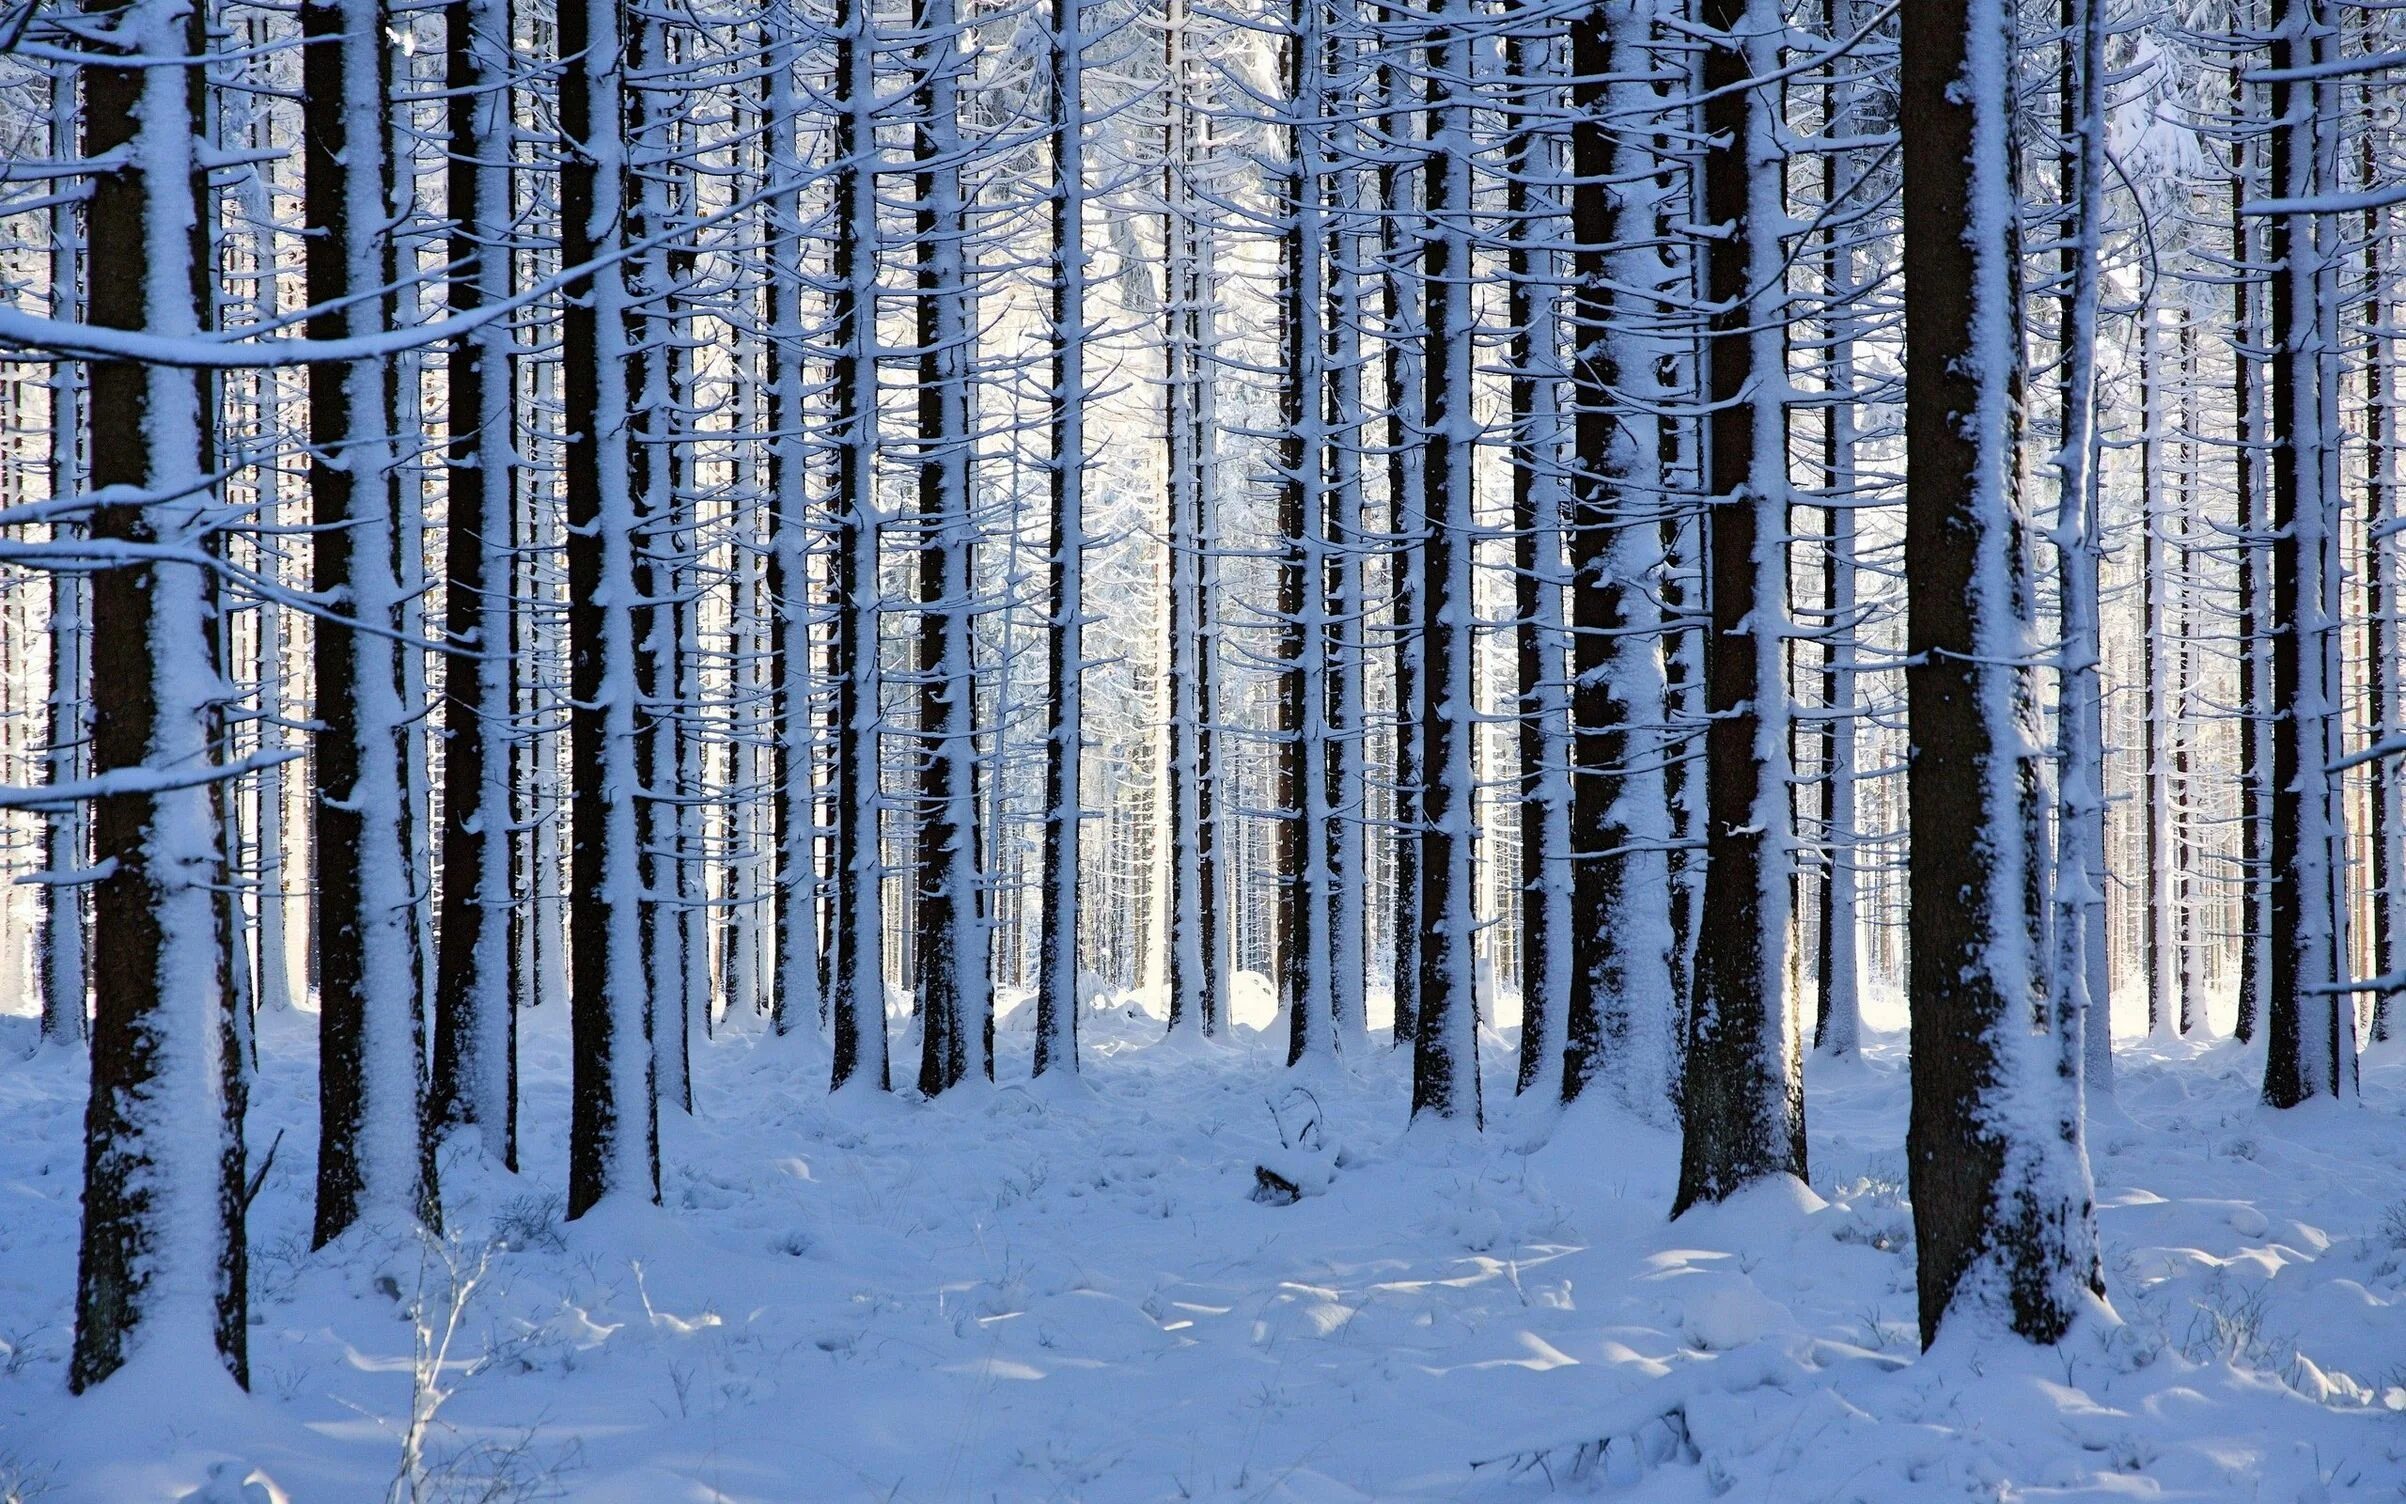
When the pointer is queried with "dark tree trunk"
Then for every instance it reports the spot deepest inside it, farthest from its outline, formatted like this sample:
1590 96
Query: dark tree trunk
1445 1060
475 1019
2002 1221
162 1262
954 1002
1401 377
1742 1091
371 1060
614 1126
857 1002
2309 1024
2255 887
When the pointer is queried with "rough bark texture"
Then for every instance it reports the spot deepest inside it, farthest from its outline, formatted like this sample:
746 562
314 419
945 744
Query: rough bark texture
162 1262
2002 1221
1742 1091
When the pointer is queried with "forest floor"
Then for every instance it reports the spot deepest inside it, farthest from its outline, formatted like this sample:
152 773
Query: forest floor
1016 1294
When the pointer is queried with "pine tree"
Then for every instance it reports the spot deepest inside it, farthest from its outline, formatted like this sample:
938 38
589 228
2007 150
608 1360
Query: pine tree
1618 1009
614 1125
62 957
2310 1020
2004 1229
857 1001
1742 1090
1064 745
375 1161
1532 210
1445 1056
955 1001
475 1019
1193 907
162 1272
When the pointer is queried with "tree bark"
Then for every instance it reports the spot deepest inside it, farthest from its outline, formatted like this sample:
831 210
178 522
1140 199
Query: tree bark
2003 1225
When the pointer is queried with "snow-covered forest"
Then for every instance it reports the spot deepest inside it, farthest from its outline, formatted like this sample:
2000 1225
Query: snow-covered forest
1289 750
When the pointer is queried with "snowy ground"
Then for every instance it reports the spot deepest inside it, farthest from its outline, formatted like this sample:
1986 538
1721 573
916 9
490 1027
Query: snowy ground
1013 1295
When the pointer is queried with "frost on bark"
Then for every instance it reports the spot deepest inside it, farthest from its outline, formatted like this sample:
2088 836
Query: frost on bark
2003 1225
1193 907
1618 1007
375 1159
1064 746
63 945
475 1081
161 1271
2080 974
2310 1022
1300 846
614 1123
1742 1087
1445 1056
856 998
1399 178
1532 209
956 1005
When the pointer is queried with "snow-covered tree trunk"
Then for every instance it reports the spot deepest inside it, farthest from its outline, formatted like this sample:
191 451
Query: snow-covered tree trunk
1533 211
955 1001
614 1122
647 157
857 999
2384 641
1742 1091
475 1018
794 804
2309 1022
1192 901
62 965
162 1273
1065 651
1300 621
1619 1001
375 1162
2163 976
1345 527
2248 474
1400 176
2004 1230
2080 969
1445 1057
1189 901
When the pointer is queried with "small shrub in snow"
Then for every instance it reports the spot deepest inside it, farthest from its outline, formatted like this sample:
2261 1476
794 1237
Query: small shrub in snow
2391 1234
21 1482
2228 1327
529 1222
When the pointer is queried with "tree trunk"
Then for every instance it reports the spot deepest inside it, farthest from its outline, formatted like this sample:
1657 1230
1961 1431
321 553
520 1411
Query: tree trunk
1445 1056
1301 779
955 1002
857 1002
2004 1231
1402 377
614 1122
63 967
1533 210
2310 1023
475 1018
1065 651
2080 975
162 1271
2255 725
1742 1091
375 1161
1621 981
1192 902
